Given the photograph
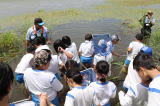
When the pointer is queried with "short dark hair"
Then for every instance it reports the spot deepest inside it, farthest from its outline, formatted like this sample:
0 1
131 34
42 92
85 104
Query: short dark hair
66 40
39 41
139 36
68 65
88 37
58 43
102 67
37 20
143 60
31 49
6 79
74 74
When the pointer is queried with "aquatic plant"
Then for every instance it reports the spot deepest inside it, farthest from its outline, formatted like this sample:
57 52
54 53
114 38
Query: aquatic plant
10 43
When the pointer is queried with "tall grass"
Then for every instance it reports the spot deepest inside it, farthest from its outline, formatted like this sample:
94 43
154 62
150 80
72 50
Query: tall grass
119 9
10 44
154 42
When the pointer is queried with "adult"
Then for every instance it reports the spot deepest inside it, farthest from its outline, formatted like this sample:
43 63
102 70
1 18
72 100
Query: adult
38 79
147 22
37 30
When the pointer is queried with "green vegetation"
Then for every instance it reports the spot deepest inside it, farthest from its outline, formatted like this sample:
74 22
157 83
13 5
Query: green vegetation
154 42
10 44
128 10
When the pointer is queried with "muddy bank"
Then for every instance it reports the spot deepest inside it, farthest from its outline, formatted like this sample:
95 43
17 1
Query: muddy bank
77 30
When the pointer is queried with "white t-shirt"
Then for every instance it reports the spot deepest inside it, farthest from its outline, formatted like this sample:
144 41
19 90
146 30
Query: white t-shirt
86 48
54 64
62 57
104 91
81 96
38 81
107 58
136 47
154 92
73 50
132 77
42 47
24 63
30 32
137 95
25 103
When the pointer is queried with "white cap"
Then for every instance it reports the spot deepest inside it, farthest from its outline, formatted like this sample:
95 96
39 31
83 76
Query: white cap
42 47
115 37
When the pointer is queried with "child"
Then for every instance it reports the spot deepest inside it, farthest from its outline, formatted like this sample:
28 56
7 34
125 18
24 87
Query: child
38 79
6 83
105 90
132 77
86 50
40 44
24 64
57 45
144 65
6 86
70 48
133 49
79 95
106 51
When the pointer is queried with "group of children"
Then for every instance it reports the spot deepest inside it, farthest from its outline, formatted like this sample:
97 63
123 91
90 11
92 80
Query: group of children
41 70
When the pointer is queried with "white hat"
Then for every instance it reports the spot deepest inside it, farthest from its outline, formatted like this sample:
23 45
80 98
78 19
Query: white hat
42 47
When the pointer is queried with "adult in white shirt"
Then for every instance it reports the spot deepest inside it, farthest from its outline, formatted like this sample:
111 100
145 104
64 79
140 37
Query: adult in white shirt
70 48
24 64
38 30
86 50
79 95
39 80
144 65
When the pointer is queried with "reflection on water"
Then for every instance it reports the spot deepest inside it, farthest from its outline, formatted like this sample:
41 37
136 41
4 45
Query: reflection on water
16 7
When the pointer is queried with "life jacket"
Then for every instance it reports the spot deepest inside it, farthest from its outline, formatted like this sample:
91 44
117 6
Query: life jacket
35 34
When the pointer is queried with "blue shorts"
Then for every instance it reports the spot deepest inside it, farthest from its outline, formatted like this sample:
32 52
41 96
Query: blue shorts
19 77
108 104
37 103
57 76
86 59
125 88
127 62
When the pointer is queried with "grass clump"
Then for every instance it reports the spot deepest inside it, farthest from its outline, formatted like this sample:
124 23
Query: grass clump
154 42
10 43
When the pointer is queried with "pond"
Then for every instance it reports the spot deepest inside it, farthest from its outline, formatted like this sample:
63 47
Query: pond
18 7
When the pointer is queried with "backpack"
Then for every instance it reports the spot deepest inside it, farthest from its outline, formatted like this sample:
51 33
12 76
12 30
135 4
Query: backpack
142 20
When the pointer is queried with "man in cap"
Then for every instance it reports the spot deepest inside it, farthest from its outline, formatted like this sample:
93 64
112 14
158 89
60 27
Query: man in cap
38 30
147 22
